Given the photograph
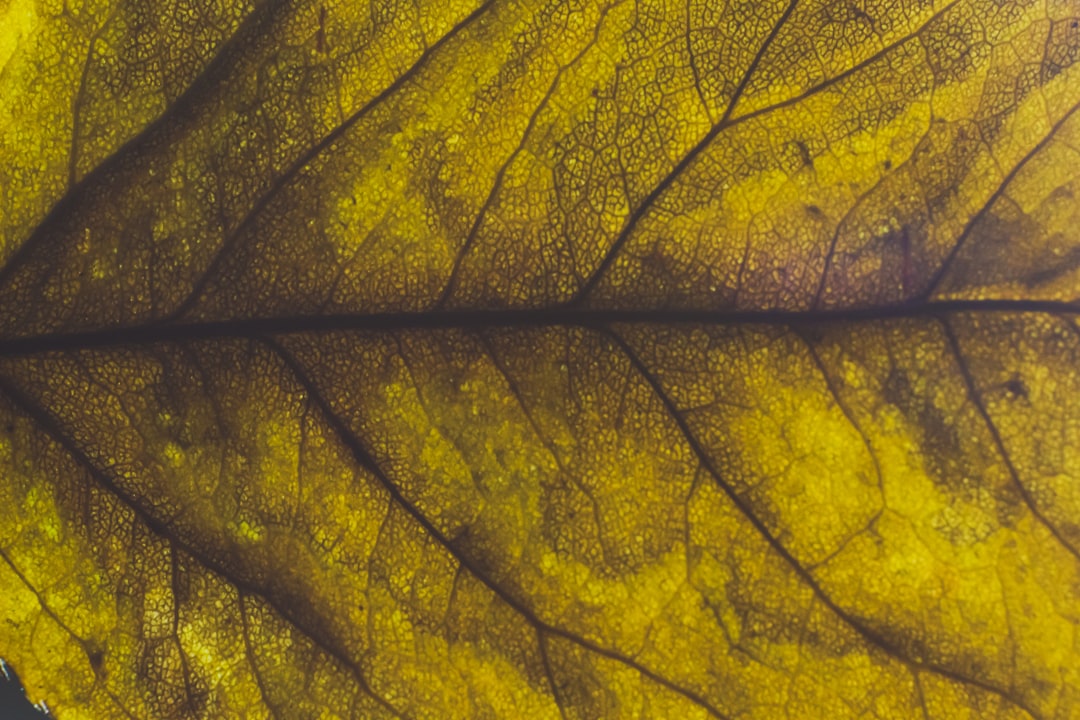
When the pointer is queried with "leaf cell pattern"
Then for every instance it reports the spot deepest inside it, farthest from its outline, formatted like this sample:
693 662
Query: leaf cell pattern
551 358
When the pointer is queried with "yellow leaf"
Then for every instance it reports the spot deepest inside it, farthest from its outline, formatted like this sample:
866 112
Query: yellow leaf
557 358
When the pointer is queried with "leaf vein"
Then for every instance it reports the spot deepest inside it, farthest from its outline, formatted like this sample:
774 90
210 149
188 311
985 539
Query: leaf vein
52 427
172 120
200 285
870 635
999 444
364 458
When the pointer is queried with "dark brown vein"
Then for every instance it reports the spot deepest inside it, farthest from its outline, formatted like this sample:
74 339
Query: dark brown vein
747 76
943 270
366 460
840 77
687 160
849 414
483 319
976 399
80 99
174 586
175 118
834 391
871 636
921 696
52 427
249 650
519 398
725 124
489 201
841 224
549 674
693 63
282 181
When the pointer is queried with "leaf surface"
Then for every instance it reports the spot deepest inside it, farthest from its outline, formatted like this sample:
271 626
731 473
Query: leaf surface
550 359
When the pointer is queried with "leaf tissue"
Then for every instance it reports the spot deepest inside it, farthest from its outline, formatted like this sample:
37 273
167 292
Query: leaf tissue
541 358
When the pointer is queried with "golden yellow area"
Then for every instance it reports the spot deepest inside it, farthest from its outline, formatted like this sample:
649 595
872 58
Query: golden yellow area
19 17
541 359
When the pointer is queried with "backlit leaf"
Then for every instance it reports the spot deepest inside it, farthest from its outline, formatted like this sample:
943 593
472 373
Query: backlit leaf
551 358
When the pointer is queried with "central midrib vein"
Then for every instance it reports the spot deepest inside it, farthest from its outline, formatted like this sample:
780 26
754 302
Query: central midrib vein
151 333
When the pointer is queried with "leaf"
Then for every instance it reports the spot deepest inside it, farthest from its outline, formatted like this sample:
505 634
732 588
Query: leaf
551 359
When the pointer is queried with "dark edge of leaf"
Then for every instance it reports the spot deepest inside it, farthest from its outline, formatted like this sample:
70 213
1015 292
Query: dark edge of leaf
14 705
